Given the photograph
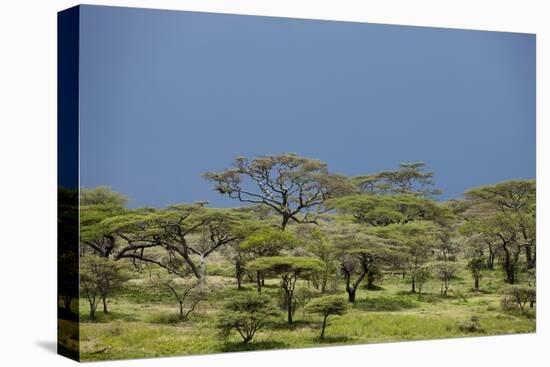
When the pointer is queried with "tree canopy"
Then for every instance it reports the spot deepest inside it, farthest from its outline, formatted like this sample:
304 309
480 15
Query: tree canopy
295 187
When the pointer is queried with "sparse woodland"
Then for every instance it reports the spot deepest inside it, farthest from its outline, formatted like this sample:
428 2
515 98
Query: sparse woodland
306 257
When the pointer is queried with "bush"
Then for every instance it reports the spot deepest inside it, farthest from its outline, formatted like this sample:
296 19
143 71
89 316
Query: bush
470 326
516 296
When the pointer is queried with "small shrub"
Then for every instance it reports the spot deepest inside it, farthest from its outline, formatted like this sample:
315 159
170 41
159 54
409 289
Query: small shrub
518 297
116 328
471 325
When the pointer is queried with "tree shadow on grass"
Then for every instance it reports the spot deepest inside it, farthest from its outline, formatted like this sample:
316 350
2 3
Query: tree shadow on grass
261 345
422 297
105 318
333 339
385 303
296 324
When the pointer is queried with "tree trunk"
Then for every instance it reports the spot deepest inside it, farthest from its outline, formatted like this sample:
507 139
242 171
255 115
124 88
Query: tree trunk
289 308
510 276
370 281
66 302
238 274
181 310
413 285
105 305
259 282
92 311
491 259
529 257
323 328
202 271
284 222
351 294
476 282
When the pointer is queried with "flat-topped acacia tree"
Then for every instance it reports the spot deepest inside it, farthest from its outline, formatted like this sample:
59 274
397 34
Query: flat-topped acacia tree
289 269
267 242
409 179
188 234
383 210
295 187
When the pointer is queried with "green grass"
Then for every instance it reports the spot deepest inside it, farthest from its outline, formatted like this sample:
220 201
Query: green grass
143 322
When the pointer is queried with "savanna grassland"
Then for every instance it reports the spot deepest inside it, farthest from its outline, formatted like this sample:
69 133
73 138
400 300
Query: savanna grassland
306 258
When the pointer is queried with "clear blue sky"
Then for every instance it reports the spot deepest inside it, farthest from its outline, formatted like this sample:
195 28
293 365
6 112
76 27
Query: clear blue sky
166 96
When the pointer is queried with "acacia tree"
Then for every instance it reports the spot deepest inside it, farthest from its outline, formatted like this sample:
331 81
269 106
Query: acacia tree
322 247
501 229
409 179
476 260
445 271
247 313
383 210
289 269
515 198
326 306
183 290
415 241
99 278
295 187
267 242
96 205
188 234
359 254
518 296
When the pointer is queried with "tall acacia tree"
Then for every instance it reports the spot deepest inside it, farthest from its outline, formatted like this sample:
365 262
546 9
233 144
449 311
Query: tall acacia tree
295 187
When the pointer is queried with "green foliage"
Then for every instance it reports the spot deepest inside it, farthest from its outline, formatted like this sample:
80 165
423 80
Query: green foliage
268 242
514 195
382 210
518 297
246 313
284 265
102 195
326 306
410 178
288 268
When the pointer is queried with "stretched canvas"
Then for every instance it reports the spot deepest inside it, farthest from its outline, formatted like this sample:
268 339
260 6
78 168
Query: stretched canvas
234 183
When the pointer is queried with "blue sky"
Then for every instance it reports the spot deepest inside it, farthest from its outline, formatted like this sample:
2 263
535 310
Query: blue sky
166 96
